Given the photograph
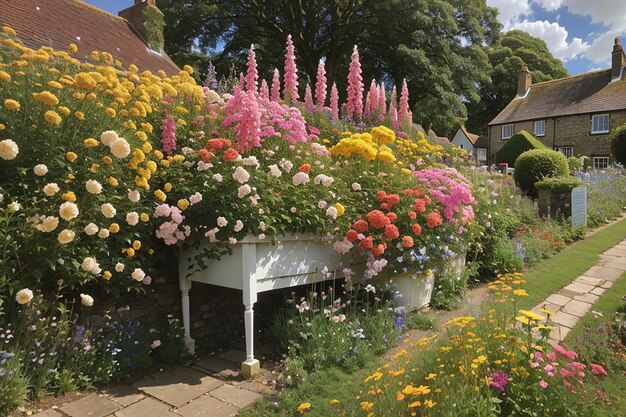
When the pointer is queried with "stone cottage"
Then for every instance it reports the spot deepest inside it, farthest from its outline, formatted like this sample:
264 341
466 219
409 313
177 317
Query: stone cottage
573 115
475 145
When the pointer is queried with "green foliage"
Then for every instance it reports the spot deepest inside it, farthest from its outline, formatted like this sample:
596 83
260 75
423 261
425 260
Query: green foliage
518 144
421 321
575 165
618 144
600 184
558 184
514 50
154 24
450 286
537 164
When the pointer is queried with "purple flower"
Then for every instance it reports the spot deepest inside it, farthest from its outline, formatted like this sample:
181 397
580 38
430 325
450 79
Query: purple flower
498 380
399 322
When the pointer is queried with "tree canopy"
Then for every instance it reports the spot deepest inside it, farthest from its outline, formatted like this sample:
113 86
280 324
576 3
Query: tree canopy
438 46
510 53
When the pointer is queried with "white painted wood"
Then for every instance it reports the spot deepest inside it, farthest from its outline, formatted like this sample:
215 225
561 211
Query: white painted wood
460 140
579 206
185 286
412 290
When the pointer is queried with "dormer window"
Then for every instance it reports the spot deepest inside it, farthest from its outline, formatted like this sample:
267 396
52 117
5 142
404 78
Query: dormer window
599 124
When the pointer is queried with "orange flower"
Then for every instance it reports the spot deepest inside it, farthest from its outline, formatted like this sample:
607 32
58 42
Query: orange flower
433 220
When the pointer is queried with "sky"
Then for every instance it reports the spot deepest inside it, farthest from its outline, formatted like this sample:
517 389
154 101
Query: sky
579 32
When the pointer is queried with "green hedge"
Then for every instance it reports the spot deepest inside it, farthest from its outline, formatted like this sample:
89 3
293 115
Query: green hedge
537 164
519 143
618 144
559 184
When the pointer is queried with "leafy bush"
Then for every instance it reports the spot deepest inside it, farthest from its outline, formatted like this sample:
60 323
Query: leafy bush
537 164
575 165
559 184
618 144
518 144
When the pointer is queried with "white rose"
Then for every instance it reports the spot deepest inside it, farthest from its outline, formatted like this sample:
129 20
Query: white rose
217 177
8 149
221 221
356 186
91 229
24 296
119 267
40 170
262 236
286 165
238 226
120 148
232 240
14 206
68 211
195 199
300 178
109 137
132 218
275 171
51 189
48 224
108 210
241 175
86 300
89 264
93 187
66 236
331 212
134 196
103 233
138 274
325 180
243 191
251 161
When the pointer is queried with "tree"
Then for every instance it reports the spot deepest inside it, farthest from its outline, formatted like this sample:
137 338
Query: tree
438 46
618 144
514 50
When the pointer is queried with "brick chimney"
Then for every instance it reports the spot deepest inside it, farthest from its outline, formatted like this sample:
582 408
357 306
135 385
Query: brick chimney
147 20
524 82
618 61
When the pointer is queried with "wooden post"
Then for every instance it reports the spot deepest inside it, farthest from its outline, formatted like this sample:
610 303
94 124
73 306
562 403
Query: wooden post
185 286
250 366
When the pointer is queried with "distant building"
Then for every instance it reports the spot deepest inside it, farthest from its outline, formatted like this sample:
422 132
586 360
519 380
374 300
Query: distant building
475 145
573 115
133 37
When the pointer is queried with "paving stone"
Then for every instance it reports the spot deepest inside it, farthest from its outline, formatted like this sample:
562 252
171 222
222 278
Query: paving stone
621 260
90 406
616 265
253 386
607 285
615 252
588 298
207 406
609 274
238 397
576 308
596 282
124 395
48 413
236 356
216 365
598 291
148 407
567 293
579 288
564 319
559 333
179 393
177 374
557 299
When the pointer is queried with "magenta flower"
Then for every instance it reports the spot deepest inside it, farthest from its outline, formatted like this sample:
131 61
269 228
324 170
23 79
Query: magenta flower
275 94
252 75
168 134
498 380
290 92
354 103
543 384
320 85
245 115
334 103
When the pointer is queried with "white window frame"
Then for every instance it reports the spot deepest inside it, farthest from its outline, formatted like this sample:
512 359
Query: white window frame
605 162
478 154
541 123
568 151
511 134
596 129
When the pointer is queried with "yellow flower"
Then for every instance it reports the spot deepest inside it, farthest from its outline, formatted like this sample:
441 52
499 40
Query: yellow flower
79 115
47 98
147 148
2 127
142 135
340 209
400 396
522 319
144 217
107 160
94 168
112 182
63 110
114 228
304 407
167 187
151 251
333 402
160 195
183 203
95 55
85 81
69 196
71 156
110 112
11 104
5 76
545 310
106 275
532 315
55 84
520 293
9 31
72 49
130 252
52 117
188 69
136 245
365 405
158 154
90 143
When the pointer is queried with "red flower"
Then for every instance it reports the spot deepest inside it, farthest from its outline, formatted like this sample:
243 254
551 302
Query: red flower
392 199
216 144
306 168
379 250
433 220
384 206
597 369
205 155
352 235
391 231
407 241
377 219
230 154
360 226
381 195
367 243
419 205
417 229
412 215
392 216
408 191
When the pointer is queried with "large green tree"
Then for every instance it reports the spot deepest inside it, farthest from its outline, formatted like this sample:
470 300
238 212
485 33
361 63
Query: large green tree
513 50
438 46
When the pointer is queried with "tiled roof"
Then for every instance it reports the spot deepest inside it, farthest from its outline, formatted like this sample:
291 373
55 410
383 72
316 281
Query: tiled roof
585 93
442 140
57 23
470 136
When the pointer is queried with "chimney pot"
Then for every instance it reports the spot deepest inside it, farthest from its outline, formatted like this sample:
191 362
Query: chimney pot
524 82
618 60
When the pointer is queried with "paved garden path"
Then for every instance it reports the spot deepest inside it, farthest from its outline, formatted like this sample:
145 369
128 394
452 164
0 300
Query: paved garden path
213 387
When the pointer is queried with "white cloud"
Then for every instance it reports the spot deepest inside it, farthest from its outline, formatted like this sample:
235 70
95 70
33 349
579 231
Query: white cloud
555 36
510 11
550 5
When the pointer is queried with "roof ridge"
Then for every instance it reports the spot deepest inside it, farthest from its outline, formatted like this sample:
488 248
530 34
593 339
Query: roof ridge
97 9
584 74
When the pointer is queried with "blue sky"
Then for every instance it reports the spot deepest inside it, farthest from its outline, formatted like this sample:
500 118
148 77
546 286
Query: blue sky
579 32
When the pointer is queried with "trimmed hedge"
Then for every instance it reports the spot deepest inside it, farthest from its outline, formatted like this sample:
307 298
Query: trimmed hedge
559 184
537 164
519 143
618 144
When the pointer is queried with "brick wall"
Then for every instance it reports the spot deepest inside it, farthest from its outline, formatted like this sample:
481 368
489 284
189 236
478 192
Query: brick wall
564 131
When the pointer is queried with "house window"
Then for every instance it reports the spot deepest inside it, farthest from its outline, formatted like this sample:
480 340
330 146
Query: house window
600 162
507 131
539 127
599 123
481 154
566 150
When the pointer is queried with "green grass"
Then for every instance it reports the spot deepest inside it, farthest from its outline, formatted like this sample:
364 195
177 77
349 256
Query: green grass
559 270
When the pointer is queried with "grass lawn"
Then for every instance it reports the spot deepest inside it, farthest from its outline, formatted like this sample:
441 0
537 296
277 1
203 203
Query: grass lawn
543 280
